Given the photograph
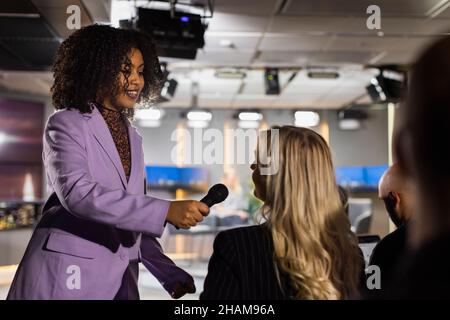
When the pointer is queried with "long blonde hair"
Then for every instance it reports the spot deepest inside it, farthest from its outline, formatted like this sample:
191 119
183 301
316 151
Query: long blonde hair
314 246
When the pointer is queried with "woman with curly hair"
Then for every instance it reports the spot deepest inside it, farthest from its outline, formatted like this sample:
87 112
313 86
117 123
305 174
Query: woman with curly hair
305 249
98 224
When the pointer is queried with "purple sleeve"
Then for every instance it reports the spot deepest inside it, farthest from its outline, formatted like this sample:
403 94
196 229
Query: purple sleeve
161 266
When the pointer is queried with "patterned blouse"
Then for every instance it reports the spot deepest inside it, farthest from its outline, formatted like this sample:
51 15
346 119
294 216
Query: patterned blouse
116 122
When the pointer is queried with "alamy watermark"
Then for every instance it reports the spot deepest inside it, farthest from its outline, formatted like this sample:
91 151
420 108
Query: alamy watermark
230 146
73 281
373 280
373 22
73 21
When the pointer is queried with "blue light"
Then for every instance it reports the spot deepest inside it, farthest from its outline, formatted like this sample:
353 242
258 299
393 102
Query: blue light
184 19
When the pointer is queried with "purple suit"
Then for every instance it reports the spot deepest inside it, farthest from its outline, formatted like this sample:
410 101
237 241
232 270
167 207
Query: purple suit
96 226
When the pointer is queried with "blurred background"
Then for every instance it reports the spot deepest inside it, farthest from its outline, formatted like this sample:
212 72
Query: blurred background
228 65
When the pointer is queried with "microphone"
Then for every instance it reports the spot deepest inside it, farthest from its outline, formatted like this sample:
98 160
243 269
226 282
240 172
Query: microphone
217 194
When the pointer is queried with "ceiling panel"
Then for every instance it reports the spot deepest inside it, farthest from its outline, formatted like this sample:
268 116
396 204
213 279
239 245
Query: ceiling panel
238 41
358 7
262 8
29 82
355 25
300 58
223 57
377 43
253 101
445 14
208 101
304 24
12 27
302 101
398 57
55 12
393 26
237 22
299 43
224 86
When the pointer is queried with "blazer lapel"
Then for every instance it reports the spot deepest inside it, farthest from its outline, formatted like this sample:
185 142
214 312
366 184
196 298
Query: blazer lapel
103 136
136 153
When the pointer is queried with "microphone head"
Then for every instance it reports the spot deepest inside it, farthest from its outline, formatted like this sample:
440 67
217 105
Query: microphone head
219 192
216 194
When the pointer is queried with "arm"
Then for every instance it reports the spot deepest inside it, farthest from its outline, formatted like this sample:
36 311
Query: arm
67 166
222 281
174 279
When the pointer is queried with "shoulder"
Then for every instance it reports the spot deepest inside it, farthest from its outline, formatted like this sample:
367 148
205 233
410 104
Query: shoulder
242 237
63 124
258 230
391 245
395 238
66 117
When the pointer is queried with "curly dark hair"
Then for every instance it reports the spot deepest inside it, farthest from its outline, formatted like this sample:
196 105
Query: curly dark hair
87 66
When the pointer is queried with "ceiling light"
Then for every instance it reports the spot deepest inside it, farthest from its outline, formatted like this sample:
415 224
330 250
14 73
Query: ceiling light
149 123
230 74
3 138
349 124
250 116
323 74
199 115
149 114
198 124
226 43
306 118
393 75
169 88
248 124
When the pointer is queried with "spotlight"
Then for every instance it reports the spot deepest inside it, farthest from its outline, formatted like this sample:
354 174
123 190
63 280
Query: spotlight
387 85
351 119
169 88
272 84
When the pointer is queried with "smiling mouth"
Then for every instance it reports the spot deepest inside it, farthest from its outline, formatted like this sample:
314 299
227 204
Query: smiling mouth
132 94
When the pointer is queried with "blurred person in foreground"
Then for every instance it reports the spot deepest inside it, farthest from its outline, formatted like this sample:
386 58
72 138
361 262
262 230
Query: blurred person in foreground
422 146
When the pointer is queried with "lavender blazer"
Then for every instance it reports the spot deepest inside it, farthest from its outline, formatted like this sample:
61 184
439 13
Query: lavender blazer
96 226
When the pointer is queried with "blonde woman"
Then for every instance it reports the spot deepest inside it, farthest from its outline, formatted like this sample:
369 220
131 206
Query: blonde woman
305 248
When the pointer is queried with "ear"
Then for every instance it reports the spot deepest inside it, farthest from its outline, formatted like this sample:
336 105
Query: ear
397 200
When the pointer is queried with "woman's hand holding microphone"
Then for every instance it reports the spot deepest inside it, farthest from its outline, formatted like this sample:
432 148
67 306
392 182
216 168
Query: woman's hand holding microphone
186 213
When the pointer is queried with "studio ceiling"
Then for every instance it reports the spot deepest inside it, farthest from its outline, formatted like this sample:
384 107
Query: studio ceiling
290 34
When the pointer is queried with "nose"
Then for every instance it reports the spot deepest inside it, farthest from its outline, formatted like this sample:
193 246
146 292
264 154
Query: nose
134 78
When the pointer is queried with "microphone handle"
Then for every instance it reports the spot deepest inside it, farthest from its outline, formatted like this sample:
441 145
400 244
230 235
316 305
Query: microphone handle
206 200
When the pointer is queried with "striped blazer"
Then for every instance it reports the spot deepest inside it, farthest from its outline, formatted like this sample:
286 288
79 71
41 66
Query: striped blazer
242 267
